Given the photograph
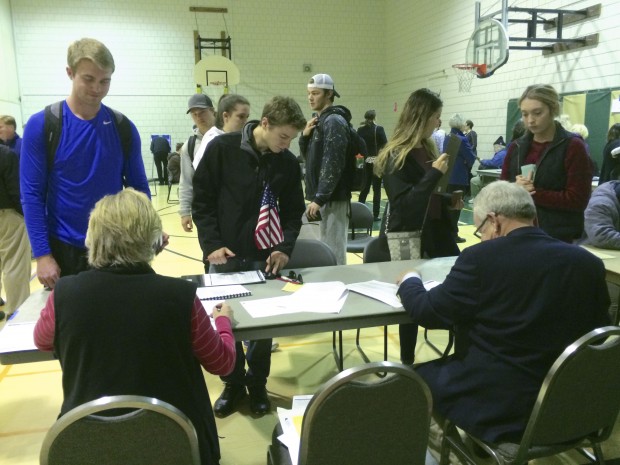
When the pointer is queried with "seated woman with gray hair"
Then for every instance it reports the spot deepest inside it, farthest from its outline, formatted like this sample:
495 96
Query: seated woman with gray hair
122 329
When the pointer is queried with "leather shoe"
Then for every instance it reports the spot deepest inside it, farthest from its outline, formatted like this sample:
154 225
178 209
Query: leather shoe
259 401
227 402
460 240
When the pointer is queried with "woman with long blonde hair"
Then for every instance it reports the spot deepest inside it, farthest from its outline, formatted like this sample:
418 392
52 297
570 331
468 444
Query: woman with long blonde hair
411 169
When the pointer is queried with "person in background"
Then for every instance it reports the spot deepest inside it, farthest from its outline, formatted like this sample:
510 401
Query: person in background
459 178
439 135
374 136
506 336
582 131
174 165
561 182
602 217
200 107
247 206
472 136
610 168
602 228
90 162
411 167
11 139
233 111
323 145
8 136
15 252
153 330
499 146
160 148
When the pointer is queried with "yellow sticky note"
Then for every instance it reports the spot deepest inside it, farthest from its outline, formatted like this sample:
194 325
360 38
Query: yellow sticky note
298 420
292 287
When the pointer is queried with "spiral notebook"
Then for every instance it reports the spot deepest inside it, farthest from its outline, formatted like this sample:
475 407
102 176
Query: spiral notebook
222 292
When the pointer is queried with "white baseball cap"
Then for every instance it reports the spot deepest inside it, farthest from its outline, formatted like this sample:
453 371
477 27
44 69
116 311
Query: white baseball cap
322 81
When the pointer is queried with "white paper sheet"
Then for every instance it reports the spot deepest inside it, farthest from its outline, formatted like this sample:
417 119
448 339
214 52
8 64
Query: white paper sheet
17 337
328 297
384 292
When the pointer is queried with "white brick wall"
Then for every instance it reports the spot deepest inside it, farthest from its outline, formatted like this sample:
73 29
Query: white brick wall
423 41
377 51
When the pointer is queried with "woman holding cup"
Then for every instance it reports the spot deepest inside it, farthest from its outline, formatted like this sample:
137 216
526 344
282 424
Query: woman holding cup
560 181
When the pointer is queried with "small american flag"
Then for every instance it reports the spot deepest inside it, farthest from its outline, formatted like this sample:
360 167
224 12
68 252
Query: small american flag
268 232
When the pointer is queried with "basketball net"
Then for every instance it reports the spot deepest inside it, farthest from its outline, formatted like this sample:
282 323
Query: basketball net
465 74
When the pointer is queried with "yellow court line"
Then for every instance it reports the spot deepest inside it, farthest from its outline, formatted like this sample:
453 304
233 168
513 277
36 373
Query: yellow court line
24 432
32 373
5 371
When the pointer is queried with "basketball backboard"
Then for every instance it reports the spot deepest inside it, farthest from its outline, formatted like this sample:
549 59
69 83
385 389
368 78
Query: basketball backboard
216 70
488 46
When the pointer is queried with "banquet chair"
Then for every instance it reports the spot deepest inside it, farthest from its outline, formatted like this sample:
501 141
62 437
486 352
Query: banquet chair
309 253
145 431
577 405
361 219
358 418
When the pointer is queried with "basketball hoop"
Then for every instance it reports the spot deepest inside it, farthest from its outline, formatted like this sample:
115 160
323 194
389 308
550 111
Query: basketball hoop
465 73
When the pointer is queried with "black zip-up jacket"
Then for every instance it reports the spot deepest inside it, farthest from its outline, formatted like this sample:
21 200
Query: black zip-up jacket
325 151
9 180
228 187
563 167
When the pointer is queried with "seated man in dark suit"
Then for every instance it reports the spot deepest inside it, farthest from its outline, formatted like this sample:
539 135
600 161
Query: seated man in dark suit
515 302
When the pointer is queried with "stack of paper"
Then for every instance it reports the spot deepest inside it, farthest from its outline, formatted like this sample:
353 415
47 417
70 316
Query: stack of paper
328 297
291 421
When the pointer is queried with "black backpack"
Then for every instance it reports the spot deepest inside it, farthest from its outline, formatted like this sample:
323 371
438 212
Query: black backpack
52 127
357 152
354 174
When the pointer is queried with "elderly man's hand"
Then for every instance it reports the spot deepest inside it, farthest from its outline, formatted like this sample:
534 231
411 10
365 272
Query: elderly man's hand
403 274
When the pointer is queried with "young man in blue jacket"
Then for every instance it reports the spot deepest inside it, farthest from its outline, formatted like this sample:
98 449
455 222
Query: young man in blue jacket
59 191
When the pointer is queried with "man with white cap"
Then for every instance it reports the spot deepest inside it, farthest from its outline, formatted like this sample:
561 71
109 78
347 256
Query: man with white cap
200 107
324 144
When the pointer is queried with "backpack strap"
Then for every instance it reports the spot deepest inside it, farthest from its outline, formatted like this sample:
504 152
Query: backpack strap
191 145
124 131
52 128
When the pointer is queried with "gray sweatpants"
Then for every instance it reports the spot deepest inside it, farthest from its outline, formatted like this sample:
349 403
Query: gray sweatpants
334 227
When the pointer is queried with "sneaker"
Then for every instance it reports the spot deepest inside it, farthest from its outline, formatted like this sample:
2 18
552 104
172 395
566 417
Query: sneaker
259 400
460 240
229 400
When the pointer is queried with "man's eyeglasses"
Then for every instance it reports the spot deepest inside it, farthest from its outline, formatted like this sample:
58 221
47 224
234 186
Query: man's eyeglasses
477 231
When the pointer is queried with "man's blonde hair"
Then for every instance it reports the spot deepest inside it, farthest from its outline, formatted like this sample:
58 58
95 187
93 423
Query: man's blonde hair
123 229
89 49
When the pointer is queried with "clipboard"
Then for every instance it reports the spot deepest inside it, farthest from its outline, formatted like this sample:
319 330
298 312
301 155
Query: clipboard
454 143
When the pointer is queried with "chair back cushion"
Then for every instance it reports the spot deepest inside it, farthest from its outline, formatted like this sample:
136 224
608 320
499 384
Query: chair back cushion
580 397
368 420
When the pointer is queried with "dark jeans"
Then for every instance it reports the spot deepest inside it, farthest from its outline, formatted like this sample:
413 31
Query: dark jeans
161 163
455 214
375 182
408 334
258 355
70 259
